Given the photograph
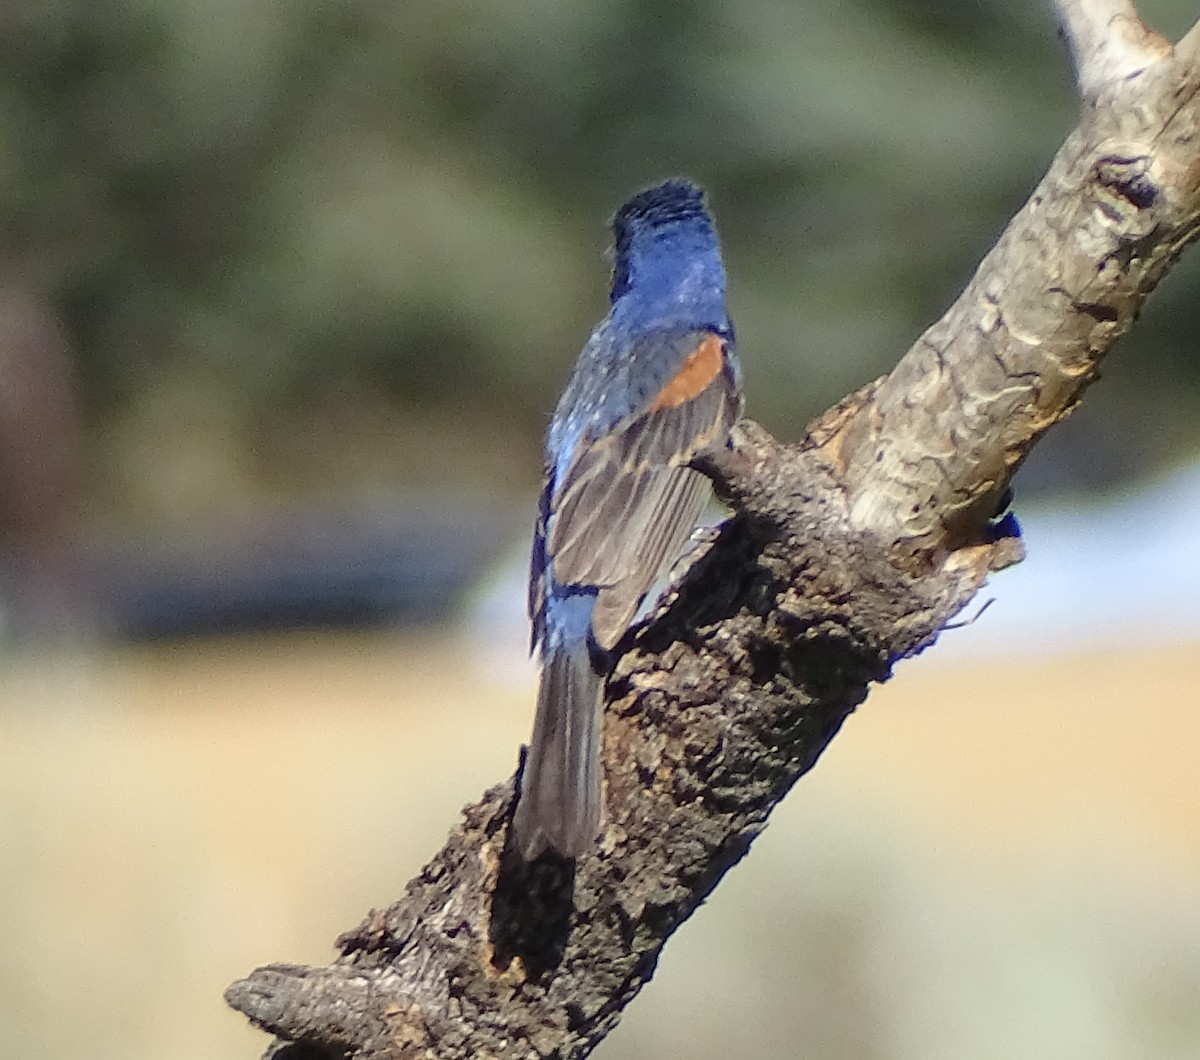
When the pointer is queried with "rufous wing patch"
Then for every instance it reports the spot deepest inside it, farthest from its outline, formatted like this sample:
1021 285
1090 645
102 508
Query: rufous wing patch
699 369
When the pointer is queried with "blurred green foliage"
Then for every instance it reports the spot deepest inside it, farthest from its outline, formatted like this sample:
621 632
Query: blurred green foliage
312 247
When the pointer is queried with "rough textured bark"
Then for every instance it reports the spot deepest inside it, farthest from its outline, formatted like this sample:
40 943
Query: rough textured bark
846 553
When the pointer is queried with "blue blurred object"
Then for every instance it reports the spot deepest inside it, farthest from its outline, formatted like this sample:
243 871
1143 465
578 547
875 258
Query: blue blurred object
302 568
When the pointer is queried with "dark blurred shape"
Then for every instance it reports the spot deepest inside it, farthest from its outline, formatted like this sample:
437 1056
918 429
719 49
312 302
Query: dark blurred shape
43 584
305 568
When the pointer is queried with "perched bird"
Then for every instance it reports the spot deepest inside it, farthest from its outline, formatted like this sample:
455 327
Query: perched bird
656 384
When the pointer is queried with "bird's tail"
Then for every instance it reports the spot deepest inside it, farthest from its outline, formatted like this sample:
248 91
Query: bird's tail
560 799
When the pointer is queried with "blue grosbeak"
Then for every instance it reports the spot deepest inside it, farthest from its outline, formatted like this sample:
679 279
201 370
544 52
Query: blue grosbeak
656 384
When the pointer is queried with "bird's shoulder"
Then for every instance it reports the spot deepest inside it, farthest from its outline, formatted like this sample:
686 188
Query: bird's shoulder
622 372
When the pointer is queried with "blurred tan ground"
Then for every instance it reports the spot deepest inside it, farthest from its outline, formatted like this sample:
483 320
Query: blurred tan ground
999 859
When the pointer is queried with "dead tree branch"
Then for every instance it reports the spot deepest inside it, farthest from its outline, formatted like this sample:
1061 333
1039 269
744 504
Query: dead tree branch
846 553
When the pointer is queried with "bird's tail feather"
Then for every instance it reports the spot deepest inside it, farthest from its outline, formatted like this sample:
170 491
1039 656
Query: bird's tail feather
561 799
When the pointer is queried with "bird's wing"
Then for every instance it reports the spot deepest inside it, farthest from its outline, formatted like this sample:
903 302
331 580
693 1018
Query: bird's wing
680 497
627 501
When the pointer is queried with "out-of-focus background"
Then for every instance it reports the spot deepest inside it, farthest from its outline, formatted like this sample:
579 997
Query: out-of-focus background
287 293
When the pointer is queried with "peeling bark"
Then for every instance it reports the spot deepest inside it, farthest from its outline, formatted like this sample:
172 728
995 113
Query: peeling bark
845 553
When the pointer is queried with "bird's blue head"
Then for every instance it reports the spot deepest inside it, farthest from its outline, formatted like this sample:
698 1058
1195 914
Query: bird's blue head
667 261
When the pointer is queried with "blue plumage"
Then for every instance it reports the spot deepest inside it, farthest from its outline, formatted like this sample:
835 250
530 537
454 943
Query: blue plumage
656 384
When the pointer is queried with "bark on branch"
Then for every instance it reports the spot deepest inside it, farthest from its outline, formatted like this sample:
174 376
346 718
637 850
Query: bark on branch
846 552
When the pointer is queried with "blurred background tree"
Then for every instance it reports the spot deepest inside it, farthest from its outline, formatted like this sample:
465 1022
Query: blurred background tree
311 252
